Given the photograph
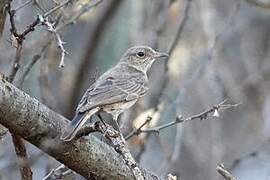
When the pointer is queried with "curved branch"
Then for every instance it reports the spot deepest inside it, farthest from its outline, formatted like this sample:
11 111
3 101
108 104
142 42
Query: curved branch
42 127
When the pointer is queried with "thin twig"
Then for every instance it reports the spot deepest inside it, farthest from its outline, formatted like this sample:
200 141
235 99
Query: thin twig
20 37
138 130
59 41
16 63
56 8
20 149
225 173
29 65
201 116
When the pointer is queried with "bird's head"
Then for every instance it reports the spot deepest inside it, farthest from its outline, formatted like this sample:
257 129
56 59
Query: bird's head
141 57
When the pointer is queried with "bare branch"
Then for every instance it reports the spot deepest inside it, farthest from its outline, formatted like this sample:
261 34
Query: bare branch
225 173
201 116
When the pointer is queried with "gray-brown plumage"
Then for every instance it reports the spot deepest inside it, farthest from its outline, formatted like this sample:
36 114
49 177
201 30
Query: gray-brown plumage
117 89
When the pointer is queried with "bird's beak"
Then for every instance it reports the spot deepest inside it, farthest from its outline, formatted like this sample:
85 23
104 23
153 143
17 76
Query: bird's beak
160 54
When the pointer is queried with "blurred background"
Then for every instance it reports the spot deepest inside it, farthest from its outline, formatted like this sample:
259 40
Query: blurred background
219 49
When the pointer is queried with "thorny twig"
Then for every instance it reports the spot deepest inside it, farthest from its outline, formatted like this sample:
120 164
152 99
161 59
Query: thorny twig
225 173
40 19
201 116
58 173
59 41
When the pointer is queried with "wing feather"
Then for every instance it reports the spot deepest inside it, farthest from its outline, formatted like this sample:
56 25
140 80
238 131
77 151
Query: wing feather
111 90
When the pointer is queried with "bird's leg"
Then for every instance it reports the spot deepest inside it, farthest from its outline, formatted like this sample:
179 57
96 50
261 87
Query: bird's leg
115 117
101 119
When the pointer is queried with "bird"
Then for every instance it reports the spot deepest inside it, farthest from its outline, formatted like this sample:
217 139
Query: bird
117 89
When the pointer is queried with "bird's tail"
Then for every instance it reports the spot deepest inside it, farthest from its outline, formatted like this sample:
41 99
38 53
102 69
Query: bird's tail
76 123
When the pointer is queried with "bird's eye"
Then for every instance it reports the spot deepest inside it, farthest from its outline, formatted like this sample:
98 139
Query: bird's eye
140 54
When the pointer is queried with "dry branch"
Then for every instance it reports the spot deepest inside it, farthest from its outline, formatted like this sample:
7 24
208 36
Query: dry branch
42 127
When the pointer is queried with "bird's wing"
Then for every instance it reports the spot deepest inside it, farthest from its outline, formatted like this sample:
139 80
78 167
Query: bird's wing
113 89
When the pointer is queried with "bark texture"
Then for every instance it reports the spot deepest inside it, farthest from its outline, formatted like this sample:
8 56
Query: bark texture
42 127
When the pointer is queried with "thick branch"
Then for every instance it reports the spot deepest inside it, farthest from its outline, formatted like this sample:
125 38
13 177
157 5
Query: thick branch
42 127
